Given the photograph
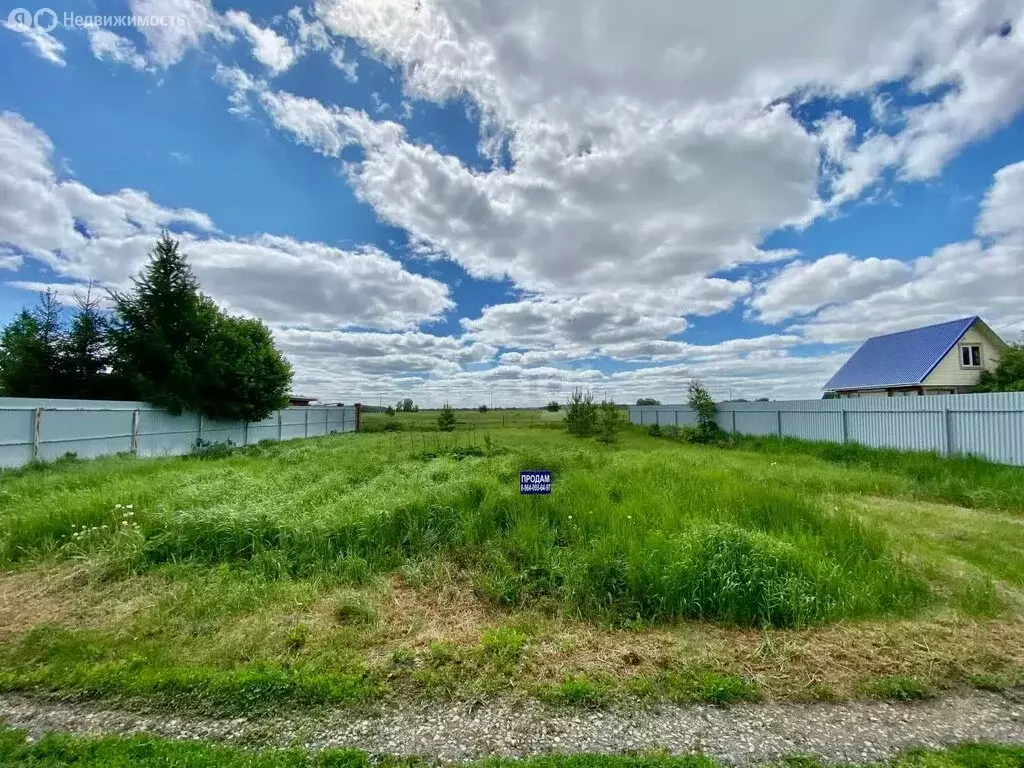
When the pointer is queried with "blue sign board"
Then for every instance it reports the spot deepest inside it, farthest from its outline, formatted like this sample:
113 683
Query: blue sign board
534 481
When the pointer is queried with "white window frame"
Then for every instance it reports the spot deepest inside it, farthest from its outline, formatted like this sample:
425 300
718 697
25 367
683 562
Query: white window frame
969 349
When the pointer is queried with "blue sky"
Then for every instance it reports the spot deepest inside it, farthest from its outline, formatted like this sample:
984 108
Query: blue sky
444 200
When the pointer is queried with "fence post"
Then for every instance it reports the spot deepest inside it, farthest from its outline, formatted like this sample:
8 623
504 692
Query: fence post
245 433
327 422
305 432
947 433
37 428
846 426
359 417
778 422
280 429
200 438
135 432
734 422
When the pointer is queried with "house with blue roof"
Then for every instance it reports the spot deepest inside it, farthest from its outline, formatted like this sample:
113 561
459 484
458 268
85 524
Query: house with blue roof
943 359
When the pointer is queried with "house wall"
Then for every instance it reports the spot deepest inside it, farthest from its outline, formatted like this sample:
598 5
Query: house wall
949 373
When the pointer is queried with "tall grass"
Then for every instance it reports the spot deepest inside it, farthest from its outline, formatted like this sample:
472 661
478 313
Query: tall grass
626 534
965 480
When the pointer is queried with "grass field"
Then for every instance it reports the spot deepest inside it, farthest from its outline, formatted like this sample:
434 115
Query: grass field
56 751
353 568
426 420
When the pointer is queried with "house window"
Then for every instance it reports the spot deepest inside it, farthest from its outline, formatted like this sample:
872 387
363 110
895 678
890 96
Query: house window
970 356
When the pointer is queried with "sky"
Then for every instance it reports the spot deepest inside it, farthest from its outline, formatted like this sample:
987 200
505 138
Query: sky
497 201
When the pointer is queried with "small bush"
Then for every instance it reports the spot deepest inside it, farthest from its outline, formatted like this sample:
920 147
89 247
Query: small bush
203 449
554 406
609 423
581 417
482 409
446 419
504 645
654 430
389 411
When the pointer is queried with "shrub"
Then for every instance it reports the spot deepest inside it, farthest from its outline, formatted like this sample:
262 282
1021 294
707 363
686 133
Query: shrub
609 423
581 417
654 430
554 406
704 407
446 419
390 411
482 409
204 449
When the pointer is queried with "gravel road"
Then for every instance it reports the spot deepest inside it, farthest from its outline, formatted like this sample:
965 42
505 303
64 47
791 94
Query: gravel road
848 732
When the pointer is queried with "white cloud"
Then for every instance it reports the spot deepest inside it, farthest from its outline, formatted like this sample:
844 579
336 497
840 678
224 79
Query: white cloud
268 47
975 277
240 84
83 235
838 278
195 20
45 44
9 259
348 67
1002 211
108 46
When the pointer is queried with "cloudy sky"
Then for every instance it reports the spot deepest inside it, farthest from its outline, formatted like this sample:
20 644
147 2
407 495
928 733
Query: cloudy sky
454 199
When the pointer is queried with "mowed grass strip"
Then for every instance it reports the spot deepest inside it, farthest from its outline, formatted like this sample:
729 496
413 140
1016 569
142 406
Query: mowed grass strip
58 750
629 533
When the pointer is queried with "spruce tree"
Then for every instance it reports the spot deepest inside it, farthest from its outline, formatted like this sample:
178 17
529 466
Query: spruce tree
30 351
162 330
85 357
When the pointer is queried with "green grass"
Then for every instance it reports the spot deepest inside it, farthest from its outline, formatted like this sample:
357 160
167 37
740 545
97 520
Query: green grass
626 533
59 750
261 565
898 687
964 480
471 420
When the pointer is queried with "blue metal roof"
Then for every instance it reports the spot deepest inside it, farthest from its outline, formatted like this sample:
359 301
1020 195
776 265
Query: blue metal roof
906 357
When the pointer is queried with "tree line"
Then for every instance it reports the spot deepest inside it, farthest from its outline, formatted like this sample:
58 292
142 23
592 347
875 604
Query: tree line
163 342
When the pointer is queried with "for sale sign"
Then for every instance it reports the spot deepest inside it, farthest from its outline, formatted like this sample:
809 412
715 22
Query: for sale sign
534 481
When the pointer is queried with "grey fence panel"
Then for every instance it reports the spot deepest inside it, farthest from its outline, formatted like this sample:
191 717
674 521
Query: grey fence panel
293 423
988 425
263 430
86 433
48 429
164 434
16 431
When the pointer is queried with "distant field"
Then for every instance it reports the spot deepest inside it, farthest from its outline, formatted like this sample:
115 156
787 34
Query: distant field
351 567
464 419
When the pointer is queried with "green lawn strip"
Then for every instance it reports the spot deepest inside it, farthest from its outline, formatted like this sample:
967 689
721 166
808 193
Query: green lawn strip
57 750
627 533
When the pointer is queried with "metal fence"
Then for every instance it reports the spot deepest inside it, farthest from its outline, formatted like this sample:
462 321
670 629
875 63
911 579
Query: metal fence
988 425
44 430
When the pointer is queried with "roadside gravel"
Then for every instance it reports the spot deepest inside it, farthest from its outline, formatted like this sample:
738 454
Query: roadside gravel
842 732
